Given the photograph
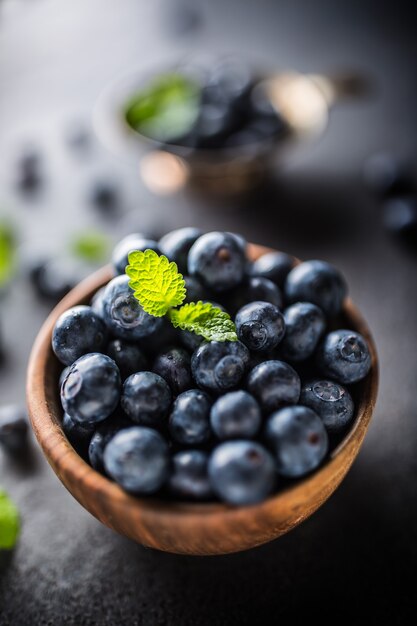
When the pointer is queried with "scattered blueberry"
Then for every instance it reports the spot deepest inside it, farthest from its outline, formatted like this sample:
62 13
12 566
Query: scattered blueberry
189 478
90 391
146 398
13 428
298 438
138 460
53 278
217 260
176 245
242 472
189 422
400 217
104 195
236 415
304 325
332 402
78 331
128 357
317 282
387 176
136 241
274 384
214 369
273 265
344 356
174 366
123 314
260 326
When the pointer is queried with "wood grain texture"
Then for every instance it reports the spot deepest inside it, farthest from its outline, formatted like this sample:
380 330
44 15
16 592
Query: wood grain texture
183 528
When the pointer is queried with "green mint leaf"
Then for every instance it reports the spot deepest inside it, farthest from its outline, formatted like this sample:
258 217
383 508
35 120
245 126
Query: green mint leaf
91 246
165 109
206 320
9 522
7 252
156 282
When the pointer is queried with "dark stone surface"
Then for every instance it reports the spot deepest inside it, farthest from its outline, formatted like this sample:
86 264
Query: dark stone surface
354 560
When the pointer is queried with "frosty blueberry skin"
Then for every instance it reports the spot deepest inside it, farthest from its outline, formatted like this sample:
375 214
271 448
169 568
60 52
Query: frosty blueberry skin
331 401
189 422
219 365
273 265
344 356
260 326
135 241
298 439
128 357
123 314
304 325
174 365
176 245
138 459
189 475
91 389
235 415
217 260
274 384
242 472
146 398
317 282
78 331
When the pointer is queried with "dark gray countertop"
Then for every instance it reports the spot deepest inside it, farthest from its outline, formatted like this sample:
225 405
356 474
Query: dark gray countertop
355 559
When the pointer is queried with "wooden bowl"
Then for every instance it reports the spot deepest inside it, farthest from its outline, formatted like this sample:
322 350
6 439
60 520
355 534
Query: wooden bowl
183 528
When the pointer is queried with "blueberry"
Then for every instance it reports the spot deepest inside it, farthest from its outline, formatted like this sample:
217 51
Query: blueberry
174 366
400 217
78 435
103 434
317 282
123 314
128 357
242 472
146 398
386 175
260 326
136 241
78 331
304 325
236 415
137 458
273 265
344 356
161 338
255 288
217 260
13 428
274 384
63 375
29 171
189 422
176 245
195 290
298 438
214 370
332 402
190 340
97 302
53 278
104 195
189 478
91 390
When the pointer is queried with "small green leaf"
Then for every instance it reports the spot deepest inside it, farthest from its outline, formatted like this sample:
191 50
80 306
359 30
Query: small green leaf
91 246
7 252
206 320
9 522
156 282
165 109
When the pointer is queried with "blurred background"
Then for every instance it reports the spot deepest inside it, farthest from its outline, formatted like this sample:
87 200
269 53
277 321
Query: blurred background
71 185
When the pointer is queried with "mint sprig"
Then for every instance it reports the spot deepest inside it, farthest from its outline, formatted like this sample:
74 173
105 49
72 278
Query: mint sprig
160 288
9 522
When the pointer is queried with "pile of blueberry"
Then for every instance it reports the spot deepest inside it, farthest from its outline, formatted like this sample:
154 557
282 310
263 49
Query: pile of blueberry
233 110
161 410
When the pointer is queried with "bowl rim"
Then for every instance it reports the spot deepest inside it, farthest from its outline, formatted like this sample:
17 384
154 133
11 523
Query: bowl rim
65 461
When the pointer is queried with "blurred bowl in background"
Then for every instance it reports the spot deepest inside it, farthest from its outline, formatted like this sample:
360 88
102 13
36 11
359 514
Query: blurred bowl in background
301 101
